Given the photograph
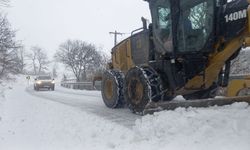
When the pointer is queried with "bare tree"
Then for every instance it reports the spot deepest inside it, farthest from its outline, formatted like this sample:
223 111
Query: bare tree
105 60
54 70
4 3
32 57
21 56
79 56
39 60
8 48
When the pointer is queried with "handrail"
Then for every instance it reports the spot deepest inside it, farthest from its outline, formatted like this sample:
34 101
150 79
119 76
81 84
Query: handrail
136 30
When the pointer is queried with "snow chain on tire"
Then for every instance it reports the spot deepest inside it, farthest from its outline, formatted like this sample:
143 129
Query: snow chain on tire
112 89
142 85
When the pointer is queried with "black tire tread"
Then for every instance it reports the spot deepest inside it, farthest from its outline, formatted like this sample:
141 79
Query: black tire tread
152 87
118 78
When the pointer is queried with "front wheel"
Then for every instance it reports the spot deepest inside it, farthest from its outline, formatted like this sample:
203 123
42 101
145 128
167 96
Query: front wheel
142 85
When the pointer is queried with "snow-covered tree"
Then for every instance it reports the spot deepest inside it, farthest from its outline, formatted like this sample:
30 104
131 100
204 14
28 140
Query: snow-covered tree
4 3
9 58
241 64
80 57
54 70
21 55
39 60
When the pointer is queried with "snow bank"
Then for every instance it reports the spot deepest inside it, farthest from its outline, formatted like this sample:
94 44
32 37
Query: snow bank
77 91
3 88
221 128
1 99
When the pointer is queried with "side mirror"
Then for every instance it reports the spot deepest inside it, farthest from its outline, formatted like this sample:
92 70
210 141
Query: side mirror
35 79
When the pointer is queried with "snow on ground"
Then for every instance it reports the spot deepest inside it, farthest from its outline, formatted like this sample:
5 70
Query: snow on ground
33 123
30 123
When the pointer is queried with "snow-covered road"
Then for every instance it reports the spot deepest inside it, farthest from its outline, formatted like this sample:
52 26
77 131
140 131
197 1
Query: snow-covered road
88 101
68 119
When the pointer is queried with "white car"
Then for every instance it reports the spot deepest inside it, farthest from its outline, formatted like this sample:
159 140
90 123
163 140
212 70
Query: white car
44 82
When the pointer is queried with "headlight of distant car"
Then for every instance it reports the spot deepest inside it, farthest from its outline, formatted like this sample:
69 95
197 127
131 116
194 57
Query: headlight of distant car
39 82
53 82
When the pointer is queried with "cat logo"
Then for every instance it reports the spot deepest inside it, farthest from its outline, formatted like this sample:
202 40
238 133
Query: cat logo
236 16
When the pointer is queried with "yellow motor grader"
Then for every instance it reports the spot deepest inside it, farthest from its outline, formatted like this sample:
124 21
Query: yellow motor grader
187 50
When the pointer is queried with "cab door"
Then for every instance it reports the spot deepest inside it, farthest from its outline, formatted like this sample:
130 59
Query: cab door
161 11
195 27
195 36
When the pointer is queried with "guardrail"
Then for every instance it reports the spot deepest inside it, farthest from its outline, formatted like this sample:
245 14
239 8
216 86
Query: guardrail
81 85
72 84
239 76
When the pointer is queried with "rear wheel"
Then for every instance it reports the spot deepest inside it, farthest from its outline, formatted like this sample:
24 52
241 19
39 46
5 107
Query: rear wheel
112 89
142 85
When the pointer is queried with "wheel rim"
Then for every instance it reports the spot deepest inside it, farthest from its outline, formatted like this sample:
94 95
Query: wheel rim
135 90
108 89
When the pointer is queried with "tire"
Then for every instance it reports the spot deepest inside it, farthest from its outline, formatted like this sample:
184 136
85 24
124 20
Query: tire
112 89
142 85
203 94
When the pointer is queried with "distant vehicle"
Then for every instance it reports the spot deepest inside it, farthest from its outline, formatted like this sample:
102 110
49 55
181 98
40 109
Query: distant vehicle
44 82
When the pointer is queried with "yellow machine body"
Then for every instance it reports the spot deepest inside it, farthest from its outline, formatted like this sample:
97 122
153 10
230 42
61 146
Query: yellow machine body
143 71
235 87
122 57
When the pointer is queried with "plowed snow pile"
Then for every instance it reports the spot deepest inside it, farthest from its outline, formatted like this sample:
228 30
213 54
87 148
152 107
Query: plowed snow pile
32 123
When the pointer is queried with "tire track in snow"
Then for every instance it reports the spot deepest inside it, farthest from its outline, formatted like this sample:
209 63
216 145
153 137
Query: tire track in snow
88 103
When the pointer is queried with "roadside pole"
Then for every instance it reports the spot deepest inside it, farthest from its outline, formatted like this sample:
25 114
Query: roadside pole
28 80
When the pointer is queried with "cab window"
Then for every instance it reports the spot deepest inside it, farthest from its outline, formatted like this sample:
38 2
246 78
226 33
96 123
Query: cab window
195 25
165 27
164 24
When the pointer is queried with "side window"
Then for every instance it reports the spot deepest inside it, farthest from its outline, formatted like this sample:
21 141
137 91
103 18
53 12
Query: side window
164 18
165 27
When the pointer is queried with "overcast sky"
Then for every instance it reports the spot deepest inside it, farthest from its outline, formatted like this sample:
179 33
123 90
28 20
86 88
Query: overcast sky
47 23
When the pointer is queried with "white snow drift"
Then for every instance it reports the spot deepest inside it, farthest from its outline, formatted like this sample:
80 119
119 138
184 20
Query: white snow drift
30 123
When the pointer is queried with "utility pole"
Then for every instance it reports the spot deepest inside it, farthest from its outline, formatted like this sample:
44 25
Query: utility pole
115 36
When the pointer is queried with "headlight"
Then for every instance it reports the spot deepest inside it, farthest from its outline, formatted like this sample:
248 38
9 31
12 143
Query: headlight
39 82
53 82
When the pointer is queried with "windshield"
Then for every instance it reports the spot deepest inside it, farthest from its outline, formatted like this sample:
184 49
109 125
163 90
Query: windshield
44 78
195 24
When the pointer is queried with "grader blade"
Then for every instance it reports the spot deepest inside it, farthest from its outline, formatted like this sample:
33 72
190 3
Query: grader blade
172 105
